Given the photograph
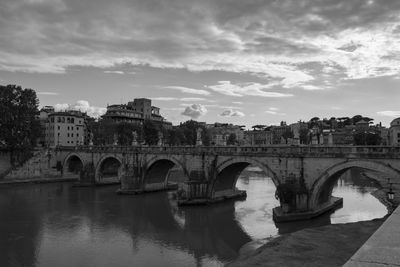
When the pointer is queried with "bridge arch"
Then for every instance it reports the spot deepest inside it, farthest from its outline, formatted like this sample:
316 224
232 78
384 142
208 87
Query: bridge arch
228 172
158 168
73 164
108 169
321 189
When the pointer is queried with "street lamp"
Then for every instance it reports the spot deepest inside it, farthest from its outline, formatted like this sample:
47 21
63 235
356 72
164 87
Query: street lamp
390 193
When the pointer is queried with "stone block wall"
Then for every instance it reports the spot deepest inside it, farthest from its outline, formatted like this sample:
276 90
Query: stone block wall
36 167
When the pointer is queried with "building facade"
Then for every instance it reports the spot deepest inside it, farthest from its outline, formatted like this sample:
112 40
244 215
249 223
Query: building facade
135 111
261 137
67 128
221 132
394 132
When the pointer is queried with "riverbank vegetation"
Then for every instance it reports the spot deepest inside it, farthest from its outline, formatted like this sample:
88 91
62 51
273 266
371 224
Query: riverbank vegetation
19 127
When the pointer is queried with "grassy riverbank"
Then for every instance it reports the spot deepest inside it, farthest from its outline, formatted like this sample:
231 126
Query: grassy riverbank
330 245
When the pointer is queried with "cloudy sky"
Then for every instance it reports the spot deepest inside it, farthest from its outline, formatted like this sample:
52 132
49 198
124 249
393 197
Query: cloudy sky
245 62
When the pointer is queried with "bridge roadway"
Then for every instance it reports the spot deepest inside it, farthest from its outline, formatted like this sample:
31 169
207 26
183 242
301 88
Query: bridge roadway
303 175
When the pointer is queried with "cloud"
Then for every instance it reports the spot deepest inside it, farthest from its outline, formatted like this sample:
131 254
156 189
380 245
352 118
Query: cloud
47 93
83 106
114 72
261 38
162 98
194 111
250 89
310 87
191 99
188 90
232 113
274 111
184 99
389 113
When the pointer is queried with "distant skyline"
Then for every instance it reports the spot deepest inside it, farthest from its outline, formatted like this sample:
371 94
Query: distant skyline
242 62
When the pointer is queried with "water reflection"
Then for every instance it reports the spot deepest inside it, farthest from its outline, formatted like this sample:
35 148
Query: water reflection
56 225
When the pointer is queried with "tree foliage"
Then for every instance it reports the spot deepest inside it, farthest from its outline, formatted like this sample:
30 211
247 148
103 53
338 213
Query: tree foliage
367 138
150 132
19 128
232 140
189 129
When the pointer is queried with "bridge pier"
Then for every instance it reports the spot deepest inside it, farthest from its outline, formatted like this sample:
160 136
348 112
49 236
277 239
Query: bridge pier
87 176
286 213
199 193
133 182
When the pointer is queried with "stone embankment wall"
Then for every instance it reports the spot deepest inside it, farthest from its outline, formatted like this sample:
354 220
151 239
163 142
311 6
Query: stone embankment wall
39 166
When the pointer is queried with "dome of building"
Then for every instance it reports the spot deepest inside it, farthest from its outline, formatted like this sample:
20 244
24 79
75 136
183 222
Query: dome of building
395 122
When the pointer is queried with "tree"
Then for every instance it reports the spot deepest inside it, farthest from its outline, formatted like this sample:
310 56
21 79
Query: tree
175 136
287 134
125 133
19 128
303 136
232 140
189 129
150 132
356 119
103 131
367 138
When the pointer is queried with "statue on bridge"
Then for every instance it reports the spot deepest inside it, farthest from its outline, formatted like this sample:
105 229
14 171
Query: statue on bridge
90 138
134 138
199 142
160 138
115 143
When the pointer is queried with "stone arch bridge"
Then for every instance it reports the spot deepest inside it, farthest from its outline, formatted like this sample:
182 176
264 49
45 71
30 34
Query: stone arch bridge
303 175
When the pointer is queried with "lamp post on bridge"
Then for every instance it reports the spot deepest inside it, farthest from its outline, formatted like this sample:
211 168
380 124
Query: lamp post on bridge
390 193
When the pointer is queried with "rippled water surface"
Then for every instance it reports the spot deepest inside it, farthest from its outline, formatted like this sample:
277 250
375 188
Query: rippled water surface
56 225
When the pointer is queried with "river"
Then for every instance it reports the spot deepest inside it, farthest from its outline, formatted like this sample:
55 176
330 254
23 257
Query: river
57 225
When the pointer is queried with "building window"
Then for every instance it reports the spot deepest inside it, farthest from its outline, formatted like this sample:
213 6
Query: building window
72 135
77 135
72 120
58 127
